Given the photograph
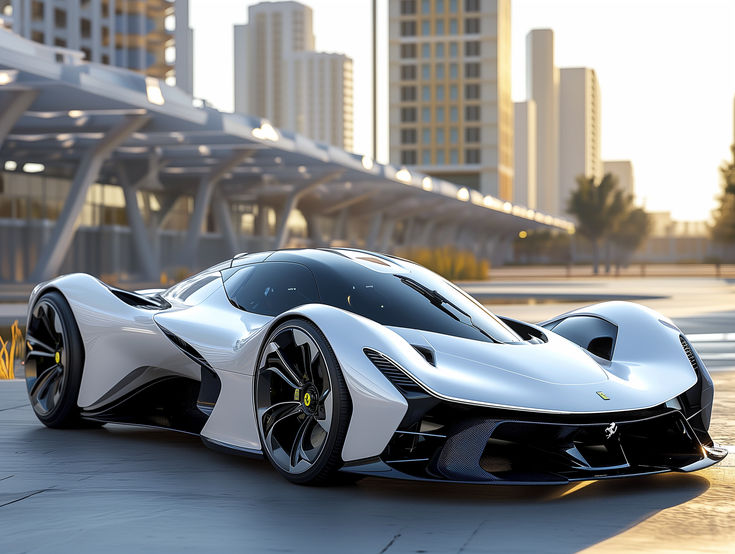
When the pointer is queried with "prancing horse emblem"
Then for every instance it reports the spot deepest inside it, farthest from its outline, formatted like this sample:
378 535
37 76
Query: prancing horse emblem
610 430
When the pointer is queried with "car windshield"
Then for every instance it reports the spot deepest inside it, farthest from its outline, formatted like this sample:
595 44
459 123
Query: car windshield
419 300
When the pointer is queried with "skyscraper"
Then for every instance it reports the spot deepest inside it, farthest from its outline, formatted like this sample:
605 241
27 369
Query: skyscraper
623 170
524 153
579 129
279 76
451 112
125 33
542 84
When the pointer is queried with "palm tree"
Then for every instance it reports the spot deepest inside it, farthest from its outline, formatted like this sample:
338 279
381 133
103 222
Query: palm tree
598 207
723 230
630 234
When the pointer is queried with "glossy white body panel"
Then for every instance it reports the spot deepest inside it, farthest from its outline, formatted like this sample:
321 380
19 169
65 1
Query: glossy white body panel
648 367
118 339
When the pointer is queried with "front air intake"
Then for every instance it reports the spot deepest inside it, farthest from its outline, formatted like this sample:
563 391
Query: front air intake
690 354
394 374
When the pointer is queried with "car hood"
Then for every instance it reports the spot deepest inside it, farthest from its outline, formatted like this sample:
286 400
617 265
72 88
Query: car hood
554 376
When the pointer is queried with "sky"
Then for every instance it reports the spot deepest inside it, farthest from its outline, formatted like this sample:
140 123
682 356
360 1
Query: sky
666 70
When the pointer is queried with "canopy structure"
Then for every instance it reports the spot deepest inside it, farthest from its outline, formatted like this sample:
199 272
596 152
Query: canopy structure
94 123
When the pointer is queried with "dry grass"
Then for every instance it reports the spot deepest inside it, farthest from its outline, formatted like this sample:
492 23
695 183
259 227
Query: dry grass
10 351
450 262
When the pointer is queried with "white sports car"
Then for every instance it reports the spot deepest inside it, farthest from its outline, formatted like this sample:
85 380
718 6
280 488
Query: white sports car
337 361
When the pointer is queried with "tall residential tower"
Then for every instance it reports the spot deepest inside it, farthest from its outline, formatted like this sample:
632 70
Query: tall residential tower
451 113
279 76
579 129
125 33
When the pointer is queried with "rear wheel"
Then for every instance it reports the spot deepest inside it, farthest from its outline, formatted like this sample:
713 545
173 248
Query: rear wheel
54 359
302 403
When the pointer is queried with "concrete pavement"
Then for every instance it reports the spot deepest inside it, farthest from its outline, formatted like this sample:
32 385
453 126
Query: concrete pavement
120 489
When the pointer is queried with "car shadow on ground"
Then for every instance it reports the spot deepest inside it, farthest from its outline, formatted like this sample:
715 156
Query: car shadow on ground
185 487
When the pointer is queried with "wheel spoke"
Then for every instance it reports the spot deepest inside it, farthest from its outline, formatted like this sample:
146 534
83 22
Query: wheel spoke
326 422
289 413
273 348
39 343
297 449
278 406
44 317
277 371
40 387
41 354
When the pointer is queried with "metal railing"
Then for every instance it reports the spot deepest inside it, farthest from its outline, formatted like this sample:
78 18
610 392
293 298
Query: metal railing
10 351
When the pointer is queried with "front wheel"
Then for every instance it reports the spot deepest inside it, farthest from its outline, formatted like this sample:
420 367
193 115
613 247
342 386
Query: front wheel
54 359
302 404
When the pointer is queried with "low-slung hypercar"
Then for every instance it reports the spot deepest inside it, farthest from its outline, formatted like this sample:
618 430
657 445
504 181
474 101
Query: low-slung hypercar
337 361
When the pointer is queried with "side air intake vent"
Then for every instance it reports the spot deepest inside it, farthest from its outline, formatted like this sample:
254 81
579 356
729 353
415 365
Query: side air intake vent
690 354
391 371
185 347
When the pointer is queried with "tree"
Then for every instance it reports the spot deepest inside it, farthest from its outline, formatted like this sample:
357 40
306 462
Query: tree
599 208
630 234
723 230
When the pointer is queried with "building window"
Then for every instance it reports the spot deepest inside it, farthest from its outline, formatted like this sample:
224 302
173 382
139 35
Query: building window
453 156
408 115
453 71
472 155
453 94
453 136
86 27
408 136
472 48
472 134
472 113
408 28
453 6
426 72
426 93
472 26
440 115
472 92
472 5
60 42
426 28
440 50
38 36
105 9
408 94
439 6
426 50
408 51
36 10
453 50
440 136
426 157
425 115
454 114
440 93
472 70
105 59
105 36
439 27
87 54
440 157
408 72
426 6
408 157
453 30
59 18
408 7
426 136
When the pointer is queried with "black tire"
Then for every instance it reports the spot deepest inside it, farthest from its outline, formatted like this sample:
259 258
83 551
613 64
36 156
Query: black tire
302 440
54 361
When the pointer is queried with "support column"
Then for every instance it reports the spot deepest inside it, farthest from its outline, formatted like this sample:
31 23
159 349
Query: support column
201 205
55 249
387 235
143 247
339 231
224 223
372 237
293 201
12 110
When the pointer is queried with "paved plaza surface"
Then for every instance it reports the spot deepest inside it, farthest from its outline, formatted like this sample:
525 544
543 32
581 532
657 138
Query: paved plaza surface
120 489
